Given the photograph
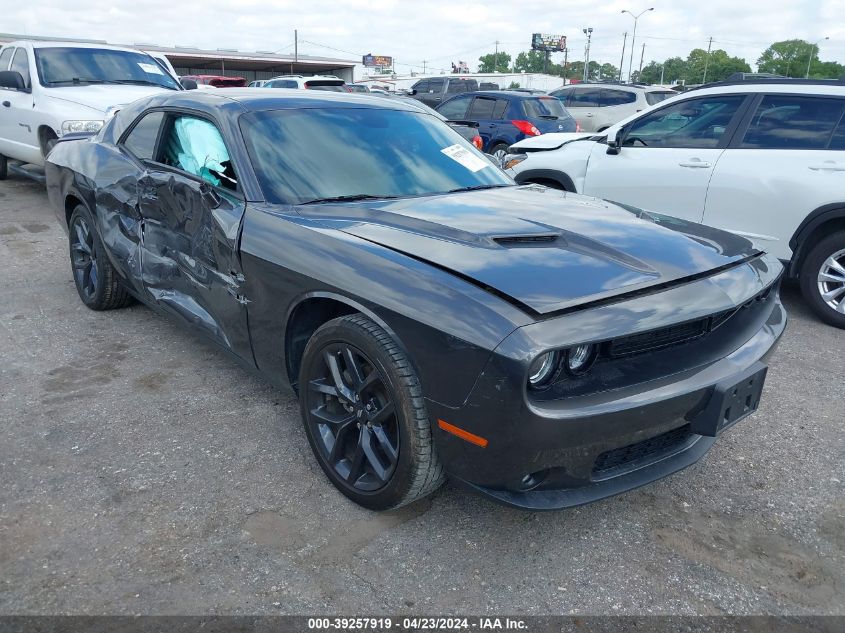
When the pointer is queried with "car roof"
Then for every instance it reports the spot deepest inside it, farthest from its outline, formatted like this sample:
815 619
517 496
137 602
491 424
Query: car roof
512 94
832 87
255 99
619 86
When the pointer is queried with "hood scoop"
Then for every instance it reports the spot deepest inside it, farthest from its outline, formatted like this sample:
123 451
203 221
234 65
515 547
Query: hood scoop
530 239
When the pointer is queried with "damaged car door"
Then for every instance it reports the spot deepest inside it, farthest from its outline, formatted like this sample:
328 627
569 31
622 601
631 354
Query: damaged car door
192 210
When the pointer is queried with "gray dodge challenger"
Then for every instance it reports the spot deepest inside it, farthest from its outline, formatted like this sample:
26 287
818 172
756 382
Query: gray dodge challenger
434 318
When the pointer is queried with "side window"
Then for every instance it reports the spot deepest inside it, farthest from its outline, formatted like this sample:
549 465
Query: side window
837 141
456 86
617 97
455 109
436 85
421 86
481 108
693 123
562 94
792 122
501 108
282 83
20 63
585 98
142 139
5 57
196 146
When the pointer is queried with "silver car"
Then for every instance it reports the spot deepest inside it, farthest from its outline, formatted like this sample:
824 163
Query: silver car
598 106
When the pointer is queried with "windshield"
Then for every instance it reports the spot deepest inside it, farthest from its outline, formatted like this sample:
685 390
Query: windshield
656 97
59 66
544 107
312 154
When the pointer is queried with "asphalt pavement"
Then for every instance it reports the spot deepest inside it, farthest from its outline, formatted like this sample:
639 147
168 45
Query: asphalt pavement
144 472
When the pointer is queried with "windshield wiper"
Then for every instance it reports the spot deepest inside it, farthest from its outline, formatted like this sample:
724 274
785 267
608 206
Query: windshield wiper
477 188
549 116
77 80
350 198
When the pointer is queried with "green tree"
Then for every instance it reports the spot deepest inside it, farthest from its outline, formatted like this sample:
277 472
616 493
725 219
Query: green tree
531 62
514 84
788 58
609 71
826 70
494 63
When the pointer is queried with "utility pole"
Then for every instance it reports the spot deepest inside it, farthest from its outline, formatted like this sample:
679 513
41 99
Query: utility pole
424 62
589 33
622 61
642 56
707 60
813 49
295 46
565 63
634 36
496 57
662 68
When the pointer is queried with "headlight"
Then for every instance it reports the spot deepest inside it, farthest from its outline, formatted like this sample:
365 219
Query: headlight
579 359
542 369
68 127
511 160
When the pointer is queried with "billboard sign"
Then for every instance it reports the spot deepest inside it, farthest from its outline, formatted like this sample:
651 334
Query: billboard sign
550 43
377 61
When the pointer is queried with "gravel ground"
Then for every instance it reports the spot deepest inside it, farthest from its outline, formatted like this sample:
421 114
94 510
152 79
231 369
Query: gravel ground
144 472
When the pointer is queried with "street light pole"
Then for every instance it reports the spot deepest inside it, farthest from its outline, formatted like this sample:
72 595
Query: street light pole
634 37
810 58
589 33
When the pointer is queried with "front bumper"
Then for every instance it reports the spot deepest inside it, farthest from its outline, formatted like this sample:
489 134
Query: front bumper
563 453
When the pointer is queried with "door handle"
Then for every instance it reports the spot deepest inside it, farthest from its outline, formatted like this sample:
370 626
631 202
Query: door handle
695 163
828 165
6 104
589 114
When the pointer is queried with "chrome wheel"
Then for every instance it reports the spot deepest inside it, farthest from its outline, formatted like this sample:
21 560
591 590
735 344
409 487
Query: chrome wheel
351 411
831 281
84 258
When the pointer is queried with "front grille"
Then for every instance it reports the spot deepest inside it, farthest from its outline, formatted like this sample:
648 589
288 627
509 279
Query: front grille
622 459
657 339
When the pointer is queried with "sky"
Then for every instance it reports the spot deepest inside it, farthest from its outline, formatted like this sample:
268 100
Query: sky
439 32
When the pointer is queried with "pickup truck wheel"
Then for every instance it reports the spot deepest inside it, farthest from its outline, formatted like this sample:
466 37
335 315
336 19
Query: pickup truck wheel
4 167
97 282
48 141
365 416
823 279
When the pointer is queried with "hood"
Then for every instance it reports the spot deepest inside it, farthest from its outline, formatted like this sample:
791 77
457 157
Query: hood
542 249
551 140
100 97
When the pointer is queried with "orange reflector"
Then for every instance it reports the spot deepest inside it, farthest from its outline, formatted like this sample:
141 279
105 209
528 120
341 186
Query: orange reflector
464 435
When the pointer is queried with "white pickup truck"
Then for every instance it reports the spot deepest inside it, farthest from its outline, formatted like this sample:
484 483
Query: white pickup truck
51 88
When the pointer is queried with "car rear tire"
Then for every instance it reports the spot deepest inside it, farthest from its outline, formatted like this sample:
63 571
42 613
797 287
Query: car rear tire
97 282
823 279
365 416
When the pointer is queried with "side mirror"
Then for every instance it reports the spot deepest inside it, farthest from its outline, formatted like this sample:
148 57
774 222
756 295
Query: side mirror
615 144
12 79
189 84
412 92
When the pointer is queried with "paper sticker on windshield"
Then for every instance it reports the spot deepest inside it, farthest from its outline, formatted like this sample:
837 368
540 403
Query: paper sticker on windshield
466 158
150 68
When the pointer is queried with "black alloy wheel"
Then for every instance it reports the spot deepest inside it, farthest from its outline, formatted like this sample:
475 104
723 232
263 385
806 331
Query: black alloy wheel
353 417
84 258
365 416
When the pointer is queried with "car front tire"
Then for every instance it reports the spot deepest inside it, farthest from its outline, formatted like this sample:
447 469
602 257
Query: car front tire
4 167
97 282
365 416
823 279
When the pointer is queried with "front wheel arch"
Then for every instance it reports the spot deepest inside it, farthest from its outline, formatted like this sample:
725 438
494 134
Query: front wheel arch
538 175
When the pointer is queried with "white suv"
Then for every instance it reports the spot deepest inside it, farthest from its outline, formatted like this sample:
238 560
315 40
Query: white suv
764 159
50 88
598 106
315 82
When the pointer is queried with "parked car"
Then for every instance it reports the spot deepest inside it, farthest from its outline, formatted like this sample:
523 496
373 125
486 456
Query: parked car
316 82
764 159
52 88
358 87
216 81
597 106
434 318
467 129
258 83
435 90
505 116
